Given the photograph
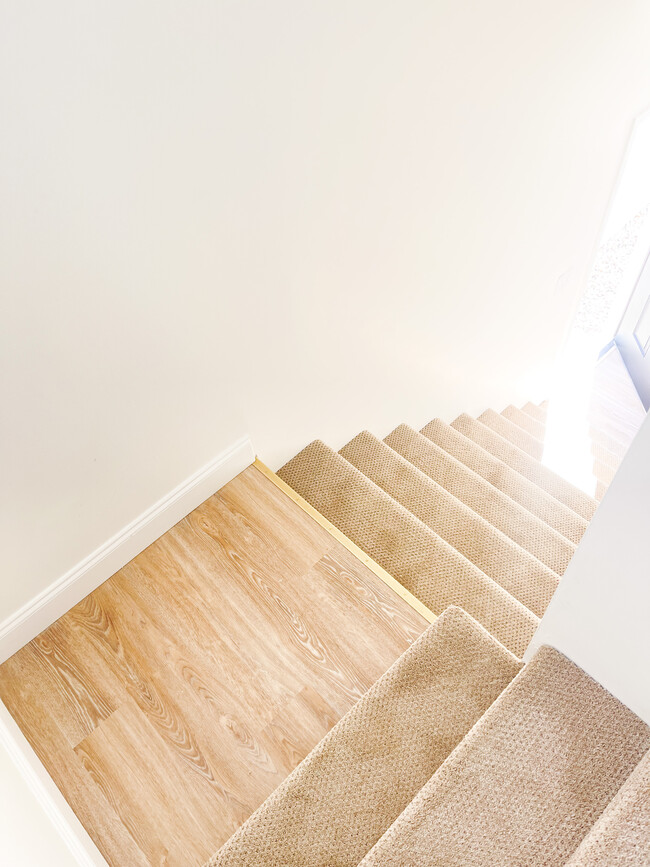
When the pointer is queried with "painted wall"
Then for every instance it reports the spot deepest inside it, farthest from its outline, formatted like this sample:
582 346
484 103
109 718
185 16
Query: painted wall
292 219
28 837
632 192
600 613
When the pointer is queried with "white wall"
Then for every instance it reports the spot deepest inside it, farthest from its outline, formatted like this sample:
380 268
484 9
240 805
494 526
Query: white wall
37 826
28 837
632 192
599 616
293 219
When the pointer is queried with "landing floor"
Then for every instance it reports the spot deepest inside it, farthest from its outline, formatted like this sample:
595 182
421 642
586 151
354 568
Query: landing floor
171 701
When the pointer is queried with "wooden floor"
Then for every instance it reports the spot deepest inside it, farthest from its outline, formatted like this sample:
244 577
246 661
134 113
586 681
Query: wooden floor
171 701
615 407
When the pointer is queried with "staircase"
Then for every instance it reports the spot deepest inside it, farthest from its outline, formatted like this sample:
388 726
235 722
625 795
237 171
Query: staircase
461 754
459 514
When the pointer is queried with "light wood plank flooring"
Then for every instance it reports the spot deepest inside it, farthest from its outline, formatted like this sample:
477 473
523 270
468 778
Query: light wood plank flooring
615 407
602 403
171 701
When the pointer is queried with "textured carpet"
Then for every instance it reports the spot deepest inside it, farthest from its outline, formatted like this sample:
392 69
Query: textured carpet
495 554
351 787
458 757
513 433
520 489
621 836
527 783
605 462
603 472
610 443
535 428
418 558
535 411
605 457
518 523
523 463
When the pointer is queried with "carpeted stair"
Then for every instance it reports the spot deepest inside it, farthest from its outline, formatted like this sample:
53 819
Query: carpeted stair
430 568
340 800
513 433
605 462
460 755
524 528
526 465
460 514
534 427
526 785
621 836
495 554
508 481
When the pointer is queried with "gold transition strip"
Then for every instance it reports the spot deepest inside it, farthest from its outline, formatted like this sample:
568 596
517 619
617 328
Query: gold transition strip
367 561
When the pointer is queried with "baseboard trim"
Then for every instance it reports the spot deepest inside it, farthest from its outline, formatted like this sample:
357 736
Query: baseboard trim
352 547
82 579
56 808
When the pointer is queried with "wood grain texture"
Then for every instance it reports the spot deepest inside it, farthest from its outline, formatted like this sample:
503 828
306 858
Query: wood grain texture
172 700
347 543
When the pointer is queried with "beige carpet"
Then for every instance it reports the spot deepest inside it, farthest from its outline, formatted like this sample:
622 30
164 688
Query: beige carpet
608 448
437 765
604 473
605 462
604 465
603 454
535 428
535 411
513 433
523 463
520 489
437 574
621 836
613 446
347 792
518 523
528 782
495 554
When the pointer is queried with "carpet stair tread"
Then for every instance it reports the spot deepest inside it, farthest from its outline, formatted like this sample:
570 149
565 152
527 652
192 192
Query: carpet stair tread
621 836
520 489
343 796
528 781
534 411
525 422
434 572
518 523
527 466
603 472
611 444
599 449
513 433
495 554
602 454
605 462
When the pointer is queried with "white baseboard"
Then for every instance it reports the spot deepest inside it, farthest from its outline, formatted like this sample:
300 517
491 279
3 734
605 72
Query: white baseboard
82 849
82 579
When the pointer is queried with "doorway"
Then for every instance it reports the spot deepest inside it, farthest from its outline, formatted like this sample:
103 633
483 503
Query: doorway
615 307
633 334
612 323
